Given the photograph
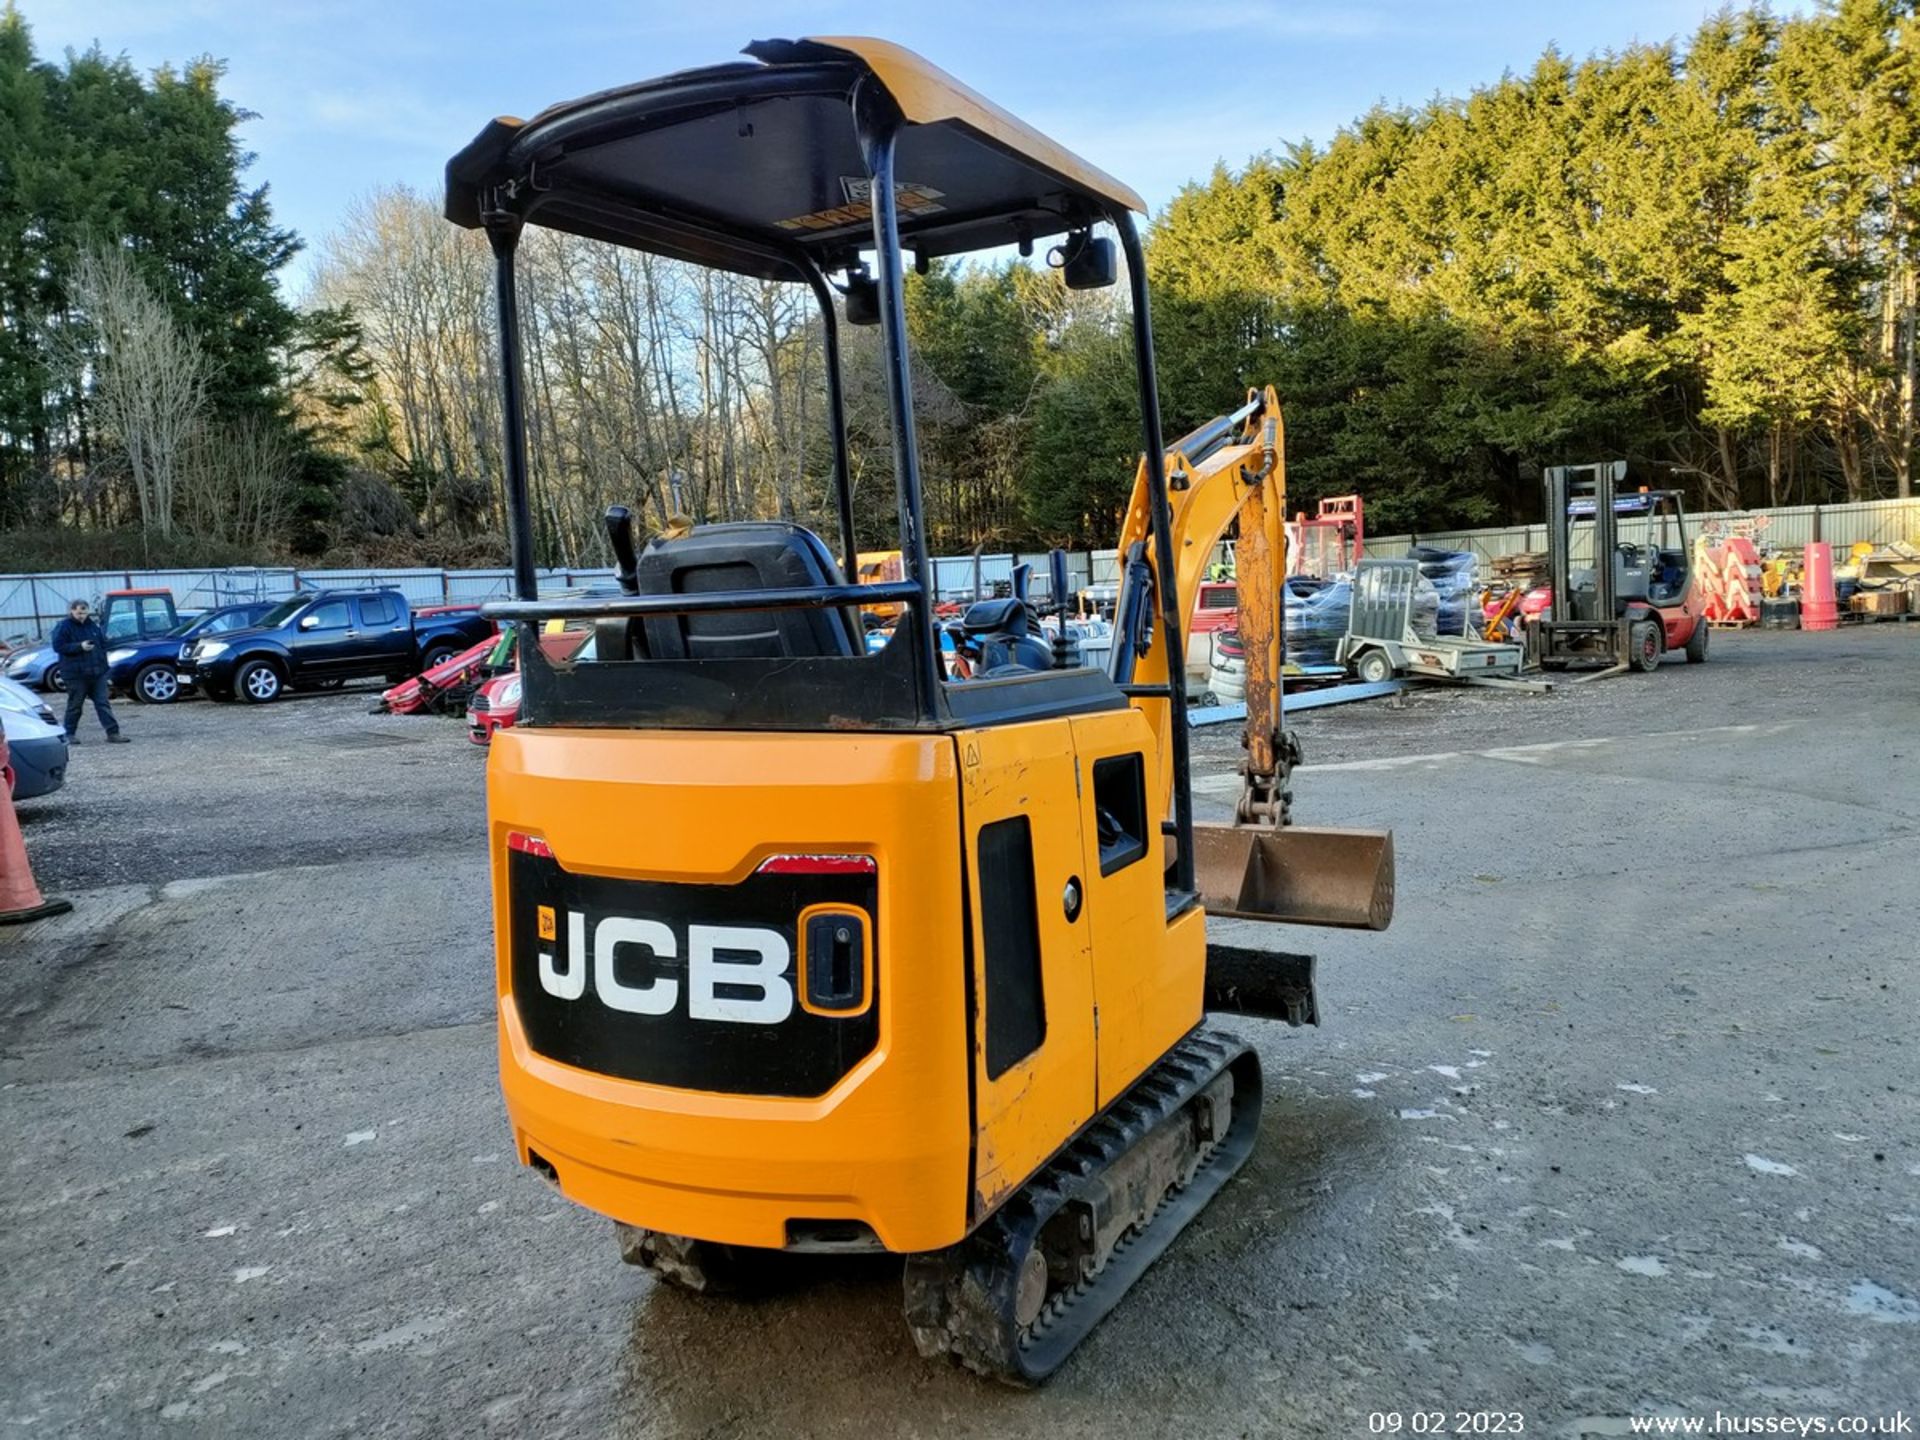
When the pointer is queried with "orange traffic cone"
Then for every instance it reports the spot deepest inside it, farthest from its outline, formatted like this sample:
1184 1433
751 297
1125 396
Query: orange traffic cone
20 898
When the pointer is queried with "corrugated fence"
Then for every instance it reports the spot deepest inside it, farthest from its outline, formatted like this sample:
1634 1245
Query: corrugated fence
30 604
1873 522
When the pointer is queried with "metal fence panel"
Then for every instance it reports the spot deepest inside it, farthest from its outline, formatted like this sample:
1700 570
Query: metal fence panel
953 574
1870 522
421 587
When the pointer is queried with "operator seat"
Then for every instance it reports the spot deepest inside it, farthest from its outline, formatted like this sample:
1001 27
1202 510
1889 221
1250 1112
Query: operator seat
1003 629
746 555
1631 571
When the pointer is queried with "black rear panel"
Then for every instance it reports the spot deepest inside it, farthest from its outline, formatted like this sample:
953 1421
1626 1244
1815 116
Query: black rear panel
693 986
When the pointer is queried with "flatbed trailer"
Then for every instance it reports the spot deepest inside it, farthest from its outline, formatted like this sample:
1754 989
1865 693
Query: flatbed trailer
1380 641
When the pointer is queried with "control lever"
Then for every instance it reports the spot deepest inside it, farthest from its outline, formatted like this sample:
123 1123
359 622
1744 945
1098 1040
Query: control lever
626 561
1062 646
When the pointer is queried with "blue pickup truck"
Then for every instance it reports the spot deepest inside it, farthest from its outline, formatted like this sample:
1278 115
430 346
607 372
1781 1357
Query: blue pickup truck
149 669
322 638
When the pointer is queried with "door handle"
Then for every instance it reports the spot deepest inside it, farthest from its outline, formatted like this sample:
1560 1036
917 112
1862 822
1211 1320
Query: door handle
353 634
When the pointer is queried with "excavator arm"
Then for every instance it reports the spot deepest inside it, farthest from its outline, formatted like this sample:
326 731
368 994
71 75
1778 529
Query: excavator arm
1261 866
1233 468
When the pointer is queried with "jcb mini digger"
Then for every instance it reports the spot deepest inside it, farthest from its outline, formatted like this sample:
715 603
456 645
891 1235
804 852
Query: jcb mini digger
805 949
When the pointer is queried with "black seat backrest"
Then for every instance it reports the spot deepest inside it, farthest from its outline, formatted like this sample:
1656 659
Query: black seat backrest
1008 615
749 555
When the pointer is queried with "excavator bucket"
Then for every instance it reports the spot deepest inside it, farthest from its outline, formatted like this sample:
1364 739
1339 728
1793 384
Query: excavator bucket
1296 874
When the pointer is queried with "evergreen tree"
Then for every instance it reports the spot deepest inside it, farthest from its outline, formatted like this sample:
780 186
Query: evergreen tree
92 155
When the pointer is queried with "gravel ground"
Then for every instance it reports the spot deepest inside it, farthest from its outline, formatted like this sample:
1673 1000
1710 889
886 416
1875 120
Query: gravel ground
1800 672
205 789
1621 1118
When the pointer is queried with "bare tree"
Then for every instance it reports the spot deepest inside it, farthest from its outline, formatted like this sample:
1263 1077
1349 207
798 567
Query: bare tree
637 367
150 378
238 481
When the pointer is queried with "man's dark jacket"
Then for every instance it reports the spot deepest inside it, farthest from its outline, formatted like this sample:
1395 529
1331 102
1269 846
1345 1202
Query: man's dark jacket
78 666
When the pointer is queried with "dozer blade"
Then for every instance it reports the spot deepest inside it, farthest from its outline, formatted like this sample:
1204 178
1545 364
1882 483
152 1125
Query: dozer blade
1297 874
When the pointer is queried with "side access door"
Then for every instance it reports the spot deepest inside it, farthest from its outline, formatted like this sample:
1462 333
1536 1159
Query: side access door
386 636
1032 1040
1148 976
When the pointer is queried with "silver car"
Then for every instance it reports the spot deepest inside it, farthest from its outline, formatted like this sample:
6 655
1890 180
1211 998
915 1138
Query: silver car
36 742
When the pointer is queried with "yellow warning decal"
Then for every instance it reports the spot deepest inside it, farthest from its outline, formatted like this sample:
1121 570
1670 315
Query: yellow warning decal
911 200
549 927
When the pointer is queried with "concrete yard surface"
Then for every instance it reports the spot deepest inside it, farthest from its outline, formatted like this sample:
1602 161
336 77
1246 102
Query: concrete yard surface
1621 1118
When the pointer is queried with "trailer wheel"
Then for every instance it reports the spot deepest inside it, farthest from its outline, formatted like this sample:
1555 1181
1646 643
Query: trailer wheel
1643 640
1373 667
1697 642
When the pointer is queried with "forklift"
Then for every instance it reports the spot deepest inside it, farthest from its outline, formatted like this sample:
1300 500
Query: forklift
1634 602
803 948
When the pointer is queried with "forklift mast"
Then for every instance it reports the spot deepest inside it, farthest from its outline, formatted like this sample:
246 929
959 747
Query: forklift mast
1566 484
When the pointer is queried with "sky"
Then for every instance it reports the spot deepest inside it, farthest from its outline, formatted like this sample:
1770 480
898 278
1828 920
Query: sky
352 95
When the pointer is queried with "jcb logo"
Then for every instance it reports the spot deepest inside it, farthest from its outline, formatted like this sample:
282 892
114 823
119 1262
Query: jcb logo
738 957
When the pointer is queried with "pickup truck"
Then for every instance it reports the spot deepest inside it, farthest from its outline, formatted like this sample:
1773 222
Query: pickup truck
320 639
128 617
148 668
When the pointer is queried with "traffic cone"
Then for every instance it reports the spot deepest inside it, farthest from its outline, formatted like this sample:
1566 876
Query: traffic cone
20 898
1818 610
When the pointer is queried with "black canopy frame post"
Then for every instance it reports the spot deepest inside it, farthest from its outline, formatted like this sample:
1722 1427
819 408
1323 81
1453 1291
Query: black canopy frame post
836 413
876 123
503 227
1160 516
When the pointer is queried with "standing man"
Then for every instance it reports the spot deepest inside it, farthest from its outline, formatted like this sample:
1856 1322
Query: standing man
82 647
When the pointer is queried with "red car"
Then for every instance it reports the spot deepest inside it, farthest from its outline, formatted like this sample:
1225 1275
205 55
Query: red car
494 706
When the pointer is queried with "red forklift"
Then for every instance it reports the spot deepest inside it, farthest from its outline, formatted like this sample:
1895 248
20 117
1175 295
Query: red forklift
1331 542
1633 602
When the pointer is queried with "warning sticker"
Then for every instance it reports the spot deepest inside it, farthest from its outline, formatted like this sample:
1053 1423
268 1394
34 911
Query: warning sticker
911 200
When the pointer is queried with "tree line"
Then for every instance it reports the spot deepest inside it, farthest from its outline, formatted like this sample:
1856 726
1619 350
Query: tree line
1698 255
1702 256
149 361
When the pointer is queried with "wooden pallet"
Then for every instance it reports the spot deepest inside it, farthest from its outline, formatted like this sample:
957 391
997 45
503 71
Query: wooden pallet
1732 624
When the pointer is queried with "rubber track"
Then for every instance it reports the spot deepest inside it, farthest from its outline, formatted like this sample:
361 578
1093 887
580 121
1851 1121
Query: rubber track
960 1301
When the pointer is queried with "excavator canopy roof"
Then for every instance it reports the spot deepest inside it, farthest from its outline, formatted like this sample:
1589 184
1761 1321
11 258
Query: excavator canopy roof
753 165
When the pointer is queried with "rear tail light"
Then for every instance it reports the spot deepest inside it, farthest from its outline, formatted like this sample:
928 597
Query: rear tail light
529 844
818 865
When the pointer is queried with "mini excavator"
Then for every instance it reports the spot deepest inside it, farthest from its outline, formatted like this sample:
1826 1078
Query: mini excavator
805 949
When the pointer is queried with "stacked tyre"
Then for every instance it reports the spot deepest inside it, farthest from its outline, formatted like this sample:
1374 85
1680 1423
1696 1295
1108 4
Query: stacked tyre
1227 677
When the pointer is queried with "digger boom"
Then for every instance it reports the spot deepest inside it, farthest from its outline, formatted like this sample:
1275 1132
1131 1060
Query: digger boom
1233 469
